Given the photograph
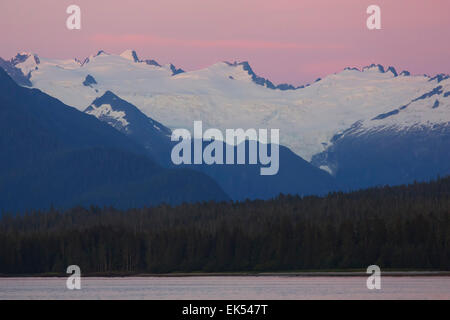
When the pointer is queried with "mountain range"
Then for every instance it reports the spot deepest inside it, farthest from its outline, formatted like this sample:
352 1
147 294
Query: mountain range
54 155
353 129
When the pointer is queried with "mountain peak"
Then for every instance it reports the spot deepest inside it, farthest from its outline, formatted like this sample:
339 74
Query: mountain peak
101 52
392 70
374 67
108 107
152 62
25 56
260 80
175 70
130 55
378 68
88 59
25 62
124 116
107 97
245 65
351 69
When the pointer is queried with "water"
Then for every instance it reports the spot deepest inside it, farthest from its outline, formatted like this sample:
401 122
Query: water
227 288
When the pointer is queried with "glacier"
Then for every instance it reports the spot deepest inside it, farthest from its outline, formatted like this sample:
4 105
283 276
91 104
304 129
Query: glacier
226 95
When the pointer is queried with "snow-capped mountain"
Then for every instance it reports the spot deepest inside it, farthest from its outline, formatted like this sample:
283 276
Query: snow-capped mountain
20 75
225 95
55 156
125 117
240 182
26 62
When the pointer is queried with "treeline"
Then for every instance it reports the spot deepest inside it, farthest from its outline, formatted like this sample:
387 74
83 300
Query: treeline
393 227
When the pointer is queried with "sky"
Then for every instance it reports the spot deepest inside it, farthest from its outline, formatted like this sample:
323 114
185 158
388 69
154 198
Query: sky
286 41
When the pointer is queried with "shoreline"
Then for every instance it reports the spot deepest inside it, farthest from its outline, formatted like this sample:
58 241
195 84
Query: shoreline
343 273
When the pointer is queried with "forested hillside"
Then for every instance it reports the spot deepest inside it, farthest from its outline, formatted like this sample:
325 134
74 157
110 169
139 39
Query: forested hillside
394 227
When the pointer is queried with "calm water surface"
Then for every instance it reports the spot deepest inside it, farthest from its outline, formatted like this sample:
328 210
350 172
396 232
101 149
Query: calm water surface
227 288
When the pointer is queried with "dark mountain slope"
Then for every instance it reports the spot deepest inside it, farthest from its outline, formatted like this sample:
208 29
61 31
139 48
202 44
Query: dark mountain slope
152 135
388 157
53 154
295 176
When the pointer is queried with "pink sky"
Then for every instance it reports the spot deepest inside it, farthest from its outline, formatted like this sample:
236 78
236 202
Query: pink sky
294 41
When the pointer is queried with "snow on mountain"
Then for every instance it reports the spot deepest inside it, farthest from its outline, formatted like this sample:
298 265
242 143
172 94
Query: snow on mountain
26 62
230 95
125 117
105 111
429 109
130 55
